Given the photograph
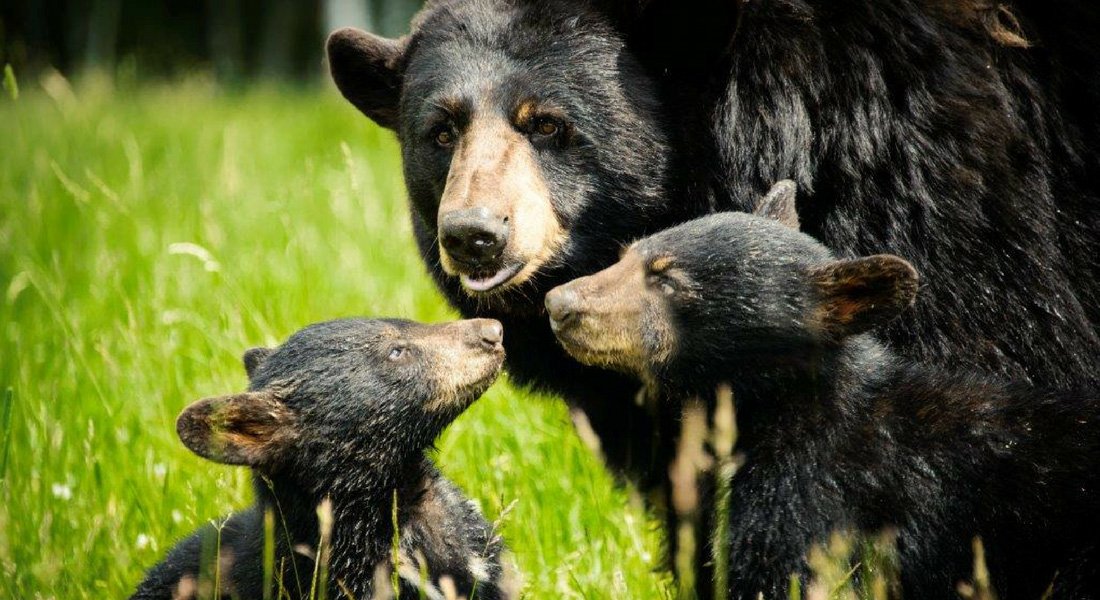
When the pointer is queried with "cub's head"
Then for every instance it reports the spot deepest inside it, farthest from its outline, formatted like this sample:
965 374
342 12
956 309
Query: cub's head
531 140
348 394
729 293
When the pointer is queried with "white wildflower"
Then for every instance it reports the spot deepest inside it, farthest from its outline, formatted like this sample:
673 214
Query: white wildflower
62 491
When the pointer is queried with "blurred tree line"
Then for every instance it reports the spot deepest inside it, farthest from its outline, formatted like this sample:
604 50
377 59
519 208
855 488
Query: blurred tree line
237 40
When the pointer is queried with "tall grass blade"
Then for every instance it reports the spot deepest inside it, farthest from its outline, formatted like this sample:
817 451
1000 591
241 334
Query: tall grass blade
690 461
394 578
5 426
981 588
269 552
10 83
724 440
324 551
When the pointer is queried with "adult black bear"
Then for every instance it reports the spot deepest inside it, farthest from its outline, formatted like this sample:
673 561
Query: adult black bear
539 137
837 432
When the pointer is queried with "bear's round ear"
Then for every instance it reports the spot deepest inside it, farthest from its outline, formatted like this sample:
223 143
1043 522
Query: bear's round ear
368 71
779 204
251 429
856 295
253 358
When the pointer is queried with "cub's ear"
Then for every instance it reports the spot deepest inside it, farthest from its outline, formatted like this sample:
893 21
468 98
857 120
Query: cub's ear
253 358
251 429
856 295
368 70
779 204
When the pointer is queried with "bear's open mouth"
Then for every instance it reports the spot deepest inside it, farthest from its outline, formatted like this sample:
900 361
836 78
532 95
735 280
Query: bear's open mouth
484 282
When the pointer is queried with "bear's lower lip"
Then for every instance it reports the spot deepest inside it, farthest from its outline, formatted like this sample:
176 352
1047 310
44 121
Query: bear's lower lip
484 284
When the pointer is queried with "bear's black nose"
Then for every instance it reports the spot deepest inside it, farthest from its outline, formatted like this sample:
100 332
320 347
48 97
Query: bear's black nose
561 304
491 333
473 236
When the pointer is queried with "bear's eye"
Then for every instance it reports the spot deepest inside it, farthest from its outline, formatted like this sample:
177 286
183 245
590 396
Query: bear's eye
547 127
661 284
445 136
398 353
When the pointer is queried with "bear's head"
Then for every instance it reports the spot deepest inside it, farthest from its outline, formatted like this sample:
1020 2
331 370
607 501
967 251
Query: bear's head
731 293
533 143
347 396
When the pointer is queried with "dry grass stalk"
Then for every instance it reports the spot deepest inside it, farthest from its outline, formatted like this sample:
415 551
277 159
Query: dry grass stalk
723 439
691 459
980 588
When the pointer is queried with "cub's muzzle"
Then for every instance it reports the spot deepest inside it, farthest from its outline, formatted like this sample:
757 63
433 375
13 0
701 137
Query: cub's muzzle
489 334
562 304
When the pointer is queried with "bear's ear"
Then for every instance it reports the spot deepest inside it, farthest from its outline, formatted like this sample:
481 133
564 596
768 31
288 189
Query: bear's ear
856 295
253 358
250 429
368 70
779 204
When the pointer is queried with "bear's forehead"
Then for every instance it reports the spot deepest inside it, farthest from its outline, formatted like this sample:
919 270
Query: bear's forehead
531 32
735 239
332 342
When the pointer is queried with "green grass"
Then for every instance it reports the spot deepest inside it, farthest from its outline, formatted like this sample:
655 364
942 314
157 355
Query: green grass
147 238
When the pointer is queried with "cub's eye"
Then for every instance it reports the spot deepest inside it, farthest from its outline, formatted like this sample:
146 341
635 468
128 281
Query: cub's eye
547 127
445 137
661 284
398 353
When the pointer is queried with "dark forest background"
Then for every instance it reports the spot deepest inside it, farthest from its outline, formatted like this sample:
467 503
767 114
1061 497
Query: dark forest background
236 40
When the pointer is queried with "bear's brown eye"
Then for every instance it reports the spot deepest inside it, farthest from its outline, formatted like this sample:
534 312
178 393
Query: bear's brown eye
661 284
547 127
445 137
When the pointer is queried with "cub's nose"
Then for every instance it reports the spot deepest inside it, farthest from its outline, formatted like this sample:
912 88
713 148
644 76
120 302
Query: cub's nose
473 236
490 333
561 304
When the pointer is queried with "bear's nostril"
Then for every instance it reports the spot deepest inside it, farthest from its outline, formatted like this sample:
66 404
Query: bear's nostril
491 333
473 236
561 304
451 243
485 241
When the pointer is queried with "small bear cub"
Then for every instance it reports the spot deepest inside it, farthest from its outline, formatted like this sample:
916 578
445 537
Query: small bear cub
837 432
342 414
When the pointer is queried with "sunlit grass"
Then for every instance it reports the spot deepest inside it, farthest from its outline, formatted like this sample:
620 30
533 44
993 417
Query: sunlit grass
147 238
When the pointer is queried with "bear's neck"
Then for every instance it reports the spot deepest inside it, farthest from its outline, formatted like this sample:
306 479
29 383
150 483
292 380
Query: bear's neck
362 512
833 384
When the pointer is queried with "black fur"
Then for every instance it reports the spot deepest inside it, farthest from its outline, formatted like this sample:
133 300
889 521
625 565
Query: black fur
838 432
349 421
909 126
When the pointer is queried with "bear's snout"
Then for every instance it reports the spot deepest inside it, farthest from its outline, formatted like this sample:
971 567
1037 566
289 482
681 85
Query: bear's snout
474 237
562 304
490 334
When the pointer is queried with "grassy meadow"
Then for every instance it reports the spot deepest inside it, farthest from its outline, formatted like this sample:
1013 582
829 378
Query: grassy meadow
148 236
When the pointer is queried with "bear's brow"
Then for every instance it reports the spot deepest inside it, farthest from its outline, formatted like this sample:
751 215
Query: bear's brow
451 106
660 264
532 108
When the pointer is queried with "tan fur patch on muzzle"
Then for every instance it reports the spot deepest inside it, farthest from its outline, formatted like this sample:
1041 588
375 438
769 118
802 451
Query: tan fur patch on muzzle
462 368
494 167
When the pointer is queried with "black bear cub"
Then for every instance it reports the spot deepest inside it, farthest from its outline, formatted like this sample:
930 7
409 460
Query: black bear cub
344 411
837 432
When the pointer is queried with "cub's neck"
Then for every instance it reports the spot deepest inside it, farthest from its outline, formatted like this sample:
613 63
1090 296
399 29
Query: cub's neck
803 390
